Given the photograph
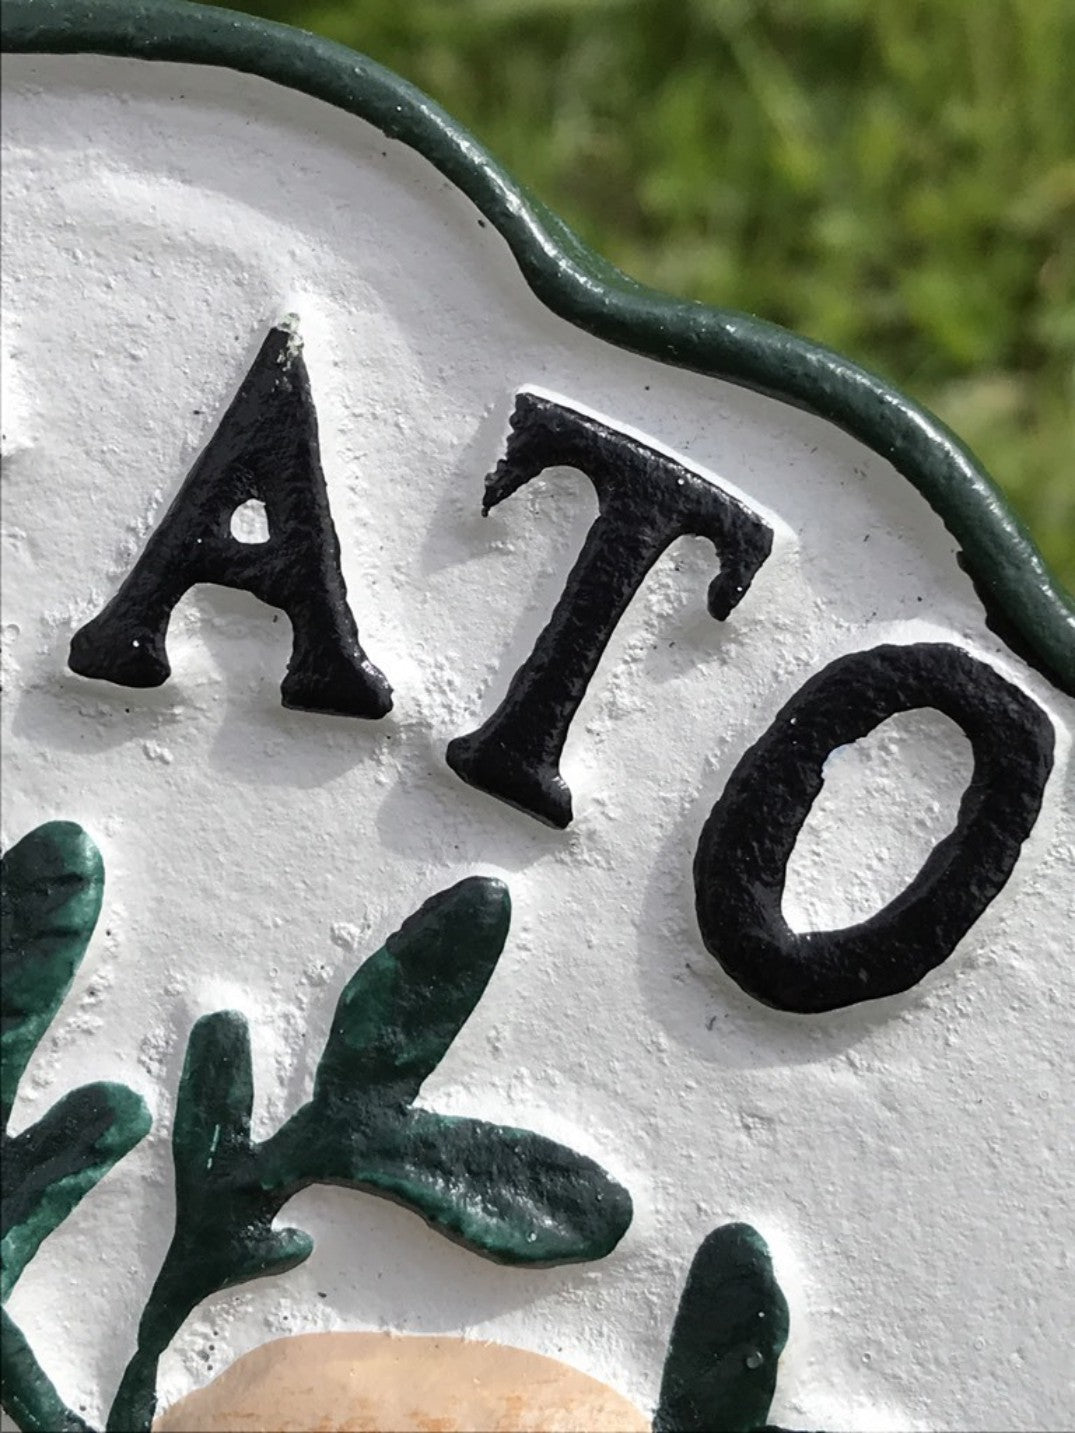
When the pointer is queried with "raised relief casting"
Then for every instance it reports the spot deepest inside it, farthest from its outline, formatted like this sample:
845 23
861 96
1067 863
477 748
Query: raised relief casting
509 1194
266 448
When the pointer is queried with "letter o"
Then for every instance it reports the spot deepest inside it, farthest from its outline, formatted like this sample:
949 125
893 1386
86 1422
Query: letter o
741 862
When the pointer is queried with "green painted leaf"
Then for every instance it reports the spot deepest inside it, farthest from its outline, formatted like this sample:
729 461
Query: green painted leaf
53 1164
27 1391
269 1251
729 1332
509 1194
213 1104
224 1210
51 884
406 1004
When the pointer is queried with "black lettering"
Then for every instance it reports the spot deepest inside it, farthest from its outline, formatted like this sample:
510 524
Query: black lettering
646 500
741 861
265 448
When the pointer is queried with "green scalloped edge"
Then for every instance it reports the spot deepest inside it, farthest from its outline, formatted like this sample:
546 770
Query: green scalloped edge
1026 606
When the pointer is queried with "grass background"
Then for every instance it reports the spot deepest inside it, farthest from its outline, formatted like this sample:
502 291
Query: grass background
895 178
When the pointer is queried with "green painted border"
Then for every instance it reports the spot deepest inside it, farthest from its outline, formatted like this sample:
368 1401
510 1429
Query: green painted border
1027 605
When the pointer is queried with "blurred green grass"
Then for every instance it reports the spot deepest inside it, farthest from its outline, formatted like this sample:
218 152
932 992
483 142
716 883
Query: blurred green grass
895 178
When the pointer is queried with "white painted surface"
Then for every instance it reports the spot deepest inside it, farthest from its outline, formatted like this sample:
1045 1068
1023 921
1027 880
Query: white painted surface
909 1161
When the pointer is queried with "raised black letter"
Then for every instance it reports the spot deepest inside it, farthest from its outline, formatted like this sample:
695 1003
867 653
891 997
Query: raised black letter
265 448
646 500
742 856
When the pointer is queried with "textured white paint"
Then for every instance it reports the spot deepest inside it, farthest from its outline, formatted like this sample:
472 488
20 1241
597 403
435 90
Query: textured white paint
909 1161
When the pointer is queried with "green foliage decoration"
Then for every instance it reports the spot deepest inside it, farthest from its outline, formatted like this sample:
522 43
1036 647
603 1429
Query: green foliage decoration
51 886
729 1332
509 1194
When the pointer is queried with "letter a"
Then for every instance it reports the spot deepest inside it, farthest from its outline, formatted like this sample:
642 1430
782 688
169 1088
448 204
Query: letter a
265 448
